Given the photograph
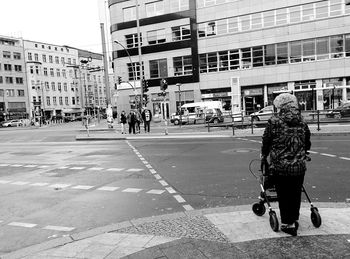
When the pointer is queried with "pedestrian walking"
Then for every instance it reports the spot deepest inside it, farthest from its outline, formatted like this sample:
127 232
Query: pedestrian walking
131 121
147 118
286 140
138 121
123 121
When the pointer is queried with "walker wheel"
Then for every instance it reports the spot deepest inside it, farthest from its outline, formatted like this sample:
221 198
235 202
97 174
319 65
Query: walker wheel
273 221
315 217
259 208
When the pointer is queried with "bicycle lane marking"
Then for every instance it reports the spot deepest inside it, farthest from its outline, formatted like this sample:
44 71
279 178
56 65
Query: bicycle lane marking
160 179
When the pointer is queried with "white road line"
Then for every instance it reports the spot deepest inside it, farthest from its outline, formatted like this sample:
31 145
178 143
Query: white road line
108 188
96 168
155 191
60 185
142 159
153 171
19 183
22 224
2 165
39 184
313 152
63 167
157 176
135 190
145 162
43 166
179 199
30 166
325 154
188 207
170 190
16 165
77 168
345 158
134 170
115 169
148 166
58 228
83 187
163 183
4 181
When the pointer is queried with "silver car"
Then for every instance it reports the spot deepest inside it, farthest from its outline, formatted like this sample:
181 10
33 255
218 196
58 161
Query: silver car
263 115
12 123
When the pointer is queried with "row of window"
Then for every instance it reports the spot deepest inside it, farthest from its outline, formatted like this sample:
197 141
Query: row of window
178 33
271 18
11 80
207 3
159 68
50 59
38 84
49 47
74 100
12 92
155 8
10 67
331 47
9 55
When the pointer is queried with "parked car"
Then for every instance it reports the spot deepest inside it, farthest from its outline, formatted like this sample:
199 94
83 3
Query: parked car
341 111
214 115
263 115
12 123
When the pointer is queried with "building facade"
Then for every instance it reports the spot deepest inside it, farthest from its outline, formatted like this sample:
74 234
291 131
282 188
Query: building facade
241 52
14 99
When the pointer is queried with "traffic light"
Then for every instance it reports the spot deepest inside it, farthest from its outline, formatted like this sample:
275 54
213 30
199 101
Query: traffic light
145 85
119 80
145 99
163 85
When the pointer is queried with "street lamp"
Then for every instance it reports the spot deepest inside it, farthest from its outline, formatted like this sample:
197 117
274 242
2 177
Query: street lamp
180 111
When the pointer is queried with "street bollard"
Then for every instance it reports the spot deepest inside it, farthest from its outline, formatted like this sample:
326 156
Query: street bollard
208 126
318 120
252 124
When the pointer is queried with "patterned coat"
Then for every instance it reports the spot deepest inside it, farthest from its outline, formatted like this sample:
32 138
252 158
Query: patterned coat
286 139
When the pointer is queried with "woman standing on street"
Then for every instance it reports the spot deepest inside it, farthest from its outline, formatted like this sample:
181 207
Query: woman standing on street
286 140
123 121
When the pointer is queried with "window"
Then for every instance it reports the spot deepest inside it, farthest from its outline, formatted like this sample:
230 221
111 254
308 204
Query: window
156 36
295 51
8 80
281 16
179 5
69 61
57 60
73 100
295 14
64 74
18 68
181 32
7 67
20 92
233 25
54 100
309 50
66 100
50 59
221 26
53 86
203 68
78 101
269 18
62 60
135 68
154 8
59 86
6 54
16 55
65 88
60 100
211 29
36 57
258 56
47 86
335 7
321 9
1 80
347 45
19 80
282 53
37 70
270 54
257 21
30 57
58 72
246 58
234 59
10 92
44 58
129 13
212 62
245 22
52 73
223 60
308 12
45 71
182 65
48 102
201 30
337 47
158 68
132 40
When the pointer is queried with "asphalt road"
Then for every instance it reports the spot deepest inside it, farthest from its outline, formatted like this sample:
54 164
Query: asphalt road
52 186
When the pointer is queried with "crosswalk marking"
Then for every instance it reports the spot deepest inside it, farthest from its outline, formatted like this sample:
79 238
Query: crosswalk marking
188 207
83 187
58 228
157 176
96 168
77 168
132 190
108 188
163 183
15 165
153 171
345 158
22 224
134 170
325 154
63 167
115 169
43 166
2 165
39 184
30 166
170 190
155 191
179 199
19 183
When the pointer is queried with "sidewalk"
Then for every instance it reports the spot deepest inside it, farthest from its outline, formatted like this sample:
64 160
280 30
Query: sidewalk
229 232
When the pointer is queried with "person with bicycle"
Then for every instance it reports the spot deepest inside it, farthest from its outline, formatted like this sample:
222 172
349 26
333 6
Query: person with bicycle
286 140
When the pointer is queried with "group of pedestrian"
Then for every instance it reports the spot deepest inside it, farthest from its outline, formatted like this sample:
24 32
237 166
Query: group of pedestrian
134 119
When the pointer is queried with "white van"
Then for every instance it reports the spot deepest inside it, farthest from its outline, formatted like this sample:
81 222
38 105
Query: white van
198 111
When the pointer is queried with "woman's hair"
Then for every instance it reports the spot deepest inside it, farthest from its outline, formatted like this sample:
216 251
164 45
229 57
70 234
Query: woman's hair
285 100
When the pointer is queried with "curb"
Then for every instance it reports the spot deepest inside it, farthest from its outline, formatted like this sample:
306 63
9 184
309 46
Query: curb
27 251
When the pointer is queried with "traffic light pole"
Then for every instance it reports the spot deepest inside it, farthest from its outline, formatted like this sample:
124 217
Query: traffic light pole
139 51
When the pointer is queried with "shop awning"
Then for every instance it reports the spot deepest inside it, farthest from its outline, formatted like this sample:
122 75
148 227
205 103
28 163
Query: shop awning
77 110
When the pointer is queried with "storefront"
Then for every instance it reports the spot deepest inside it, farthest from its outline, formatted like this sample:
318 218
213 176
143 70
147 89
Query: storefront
253 99
219 94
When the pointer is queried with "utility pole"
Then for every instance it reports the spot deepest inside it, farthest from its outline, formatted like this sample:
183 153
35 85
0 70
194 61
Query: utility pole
105 63
139 49
180 111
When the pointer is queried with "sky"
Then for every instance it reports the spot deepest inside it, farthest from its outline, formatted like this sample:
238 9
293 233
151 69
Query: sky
74 23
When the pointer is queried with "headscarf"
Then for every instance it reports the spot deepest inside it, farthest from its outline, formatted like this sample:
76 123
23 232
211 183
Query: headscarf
288 107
